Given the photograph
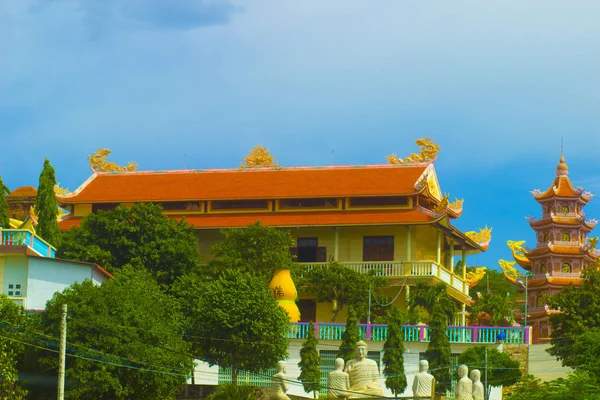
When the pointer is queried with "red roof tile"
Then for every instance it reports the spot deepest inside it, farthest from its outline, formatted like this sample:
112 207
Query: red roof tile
371 180
23 191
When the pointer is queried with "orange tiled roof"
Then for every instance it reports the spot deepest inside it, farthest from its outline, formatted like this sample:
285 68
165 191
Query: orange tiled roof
289 219
562 186
558 250
370 180
23 191
557 220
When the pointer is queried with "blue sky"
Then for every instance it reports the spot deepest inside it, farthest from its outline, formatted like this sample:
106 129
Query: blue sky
496 84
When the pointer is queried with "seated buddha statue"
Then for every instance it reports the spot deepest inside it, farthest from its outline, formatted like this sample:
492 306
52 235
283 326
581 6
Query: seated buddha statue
364 375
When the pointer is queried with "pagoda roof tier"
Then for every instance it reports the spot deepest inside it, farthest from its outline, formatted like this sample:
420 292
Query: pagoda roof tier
256 183
555 279
23 191
561 220
574 250
562 187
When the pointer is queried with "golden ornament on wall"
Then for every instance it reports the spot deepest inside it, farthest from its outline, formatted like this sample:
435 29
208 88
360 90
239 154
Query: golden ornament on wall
98 163
259 157
428 153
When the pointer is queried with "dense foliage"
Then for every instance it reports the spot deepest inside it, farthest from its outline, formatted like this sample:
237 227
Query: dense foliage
234 322
579 385
347 349
580 312
586 352
4 220
495 298
142 237
256 249
393 354
501 369
441 309
46 206
124 337
310 363
341 286
13 321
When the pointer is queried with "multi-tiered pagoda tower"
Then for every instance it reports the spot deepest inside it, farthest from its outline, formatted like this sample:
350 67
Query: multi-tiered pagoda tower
563 250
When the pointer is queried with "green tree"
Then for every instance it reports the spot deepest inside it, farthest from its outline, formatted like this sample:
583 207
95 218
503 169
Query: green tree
4 220
501 308
441 309
586 350
13 318
46 206
256 249
347 349
142 237
580 312
126 338
493 282
234 322
393 354
501 369
341 286
579 385
310 363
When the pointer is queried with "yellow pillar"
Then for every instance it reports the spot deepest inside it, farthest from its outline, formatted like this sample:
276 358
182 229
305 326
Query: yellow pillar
464 264
463 317
451 255
439 247
408 243
336 244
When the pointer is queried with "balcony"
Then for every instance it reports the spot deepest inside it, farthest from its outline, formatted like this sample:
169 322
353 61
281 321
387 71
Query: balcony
401 269
22 237
414 333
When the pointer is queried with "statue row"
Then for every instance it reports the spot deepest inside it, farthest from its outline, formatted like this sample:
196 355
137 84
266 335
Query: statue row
360 379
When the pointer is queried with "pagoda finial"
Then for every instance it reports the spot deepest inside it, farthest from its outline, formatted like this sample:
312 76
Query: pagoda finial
562 169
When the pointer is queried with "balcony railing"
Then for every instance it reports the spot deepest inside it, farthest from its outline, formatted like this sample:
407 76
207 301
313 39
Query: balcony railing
22 237
396 269
415 333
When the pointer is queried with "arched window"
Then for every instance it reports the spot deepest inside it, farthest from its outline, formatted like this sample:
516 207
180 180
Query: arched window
539 302
546 237
566 268
565 209
550 209
566 237
543 268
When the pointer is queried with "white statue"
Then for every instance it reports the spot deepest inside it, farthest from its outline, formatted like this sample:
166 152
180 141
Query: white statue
478 392
278 383
338 382
364 375
424 382
464 386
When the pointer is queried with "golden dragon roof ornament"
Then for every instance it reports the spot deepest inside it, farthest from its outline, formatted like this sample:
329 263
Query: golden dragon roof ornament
592 243
61 191
98 163
475 276
509 270
428 153
457 205
442 206
483 236
259 157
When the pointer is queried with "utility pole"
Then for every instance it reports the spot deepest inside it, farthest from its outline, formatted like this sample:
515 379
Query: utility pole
62 354
486 395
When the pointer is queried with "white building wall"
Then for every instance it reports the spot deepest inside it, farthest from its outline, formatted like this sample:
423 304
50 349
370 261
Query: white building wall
47 276
205 375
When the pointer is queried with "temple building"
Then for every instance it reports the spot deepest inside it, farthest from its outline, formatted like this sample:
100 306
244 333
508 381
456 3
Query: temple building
563 249
391 218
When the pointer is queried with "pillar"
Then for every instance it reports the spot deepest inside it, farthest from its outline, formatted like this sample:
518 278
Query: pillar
463 317
439 247
464 264
408 243
451 255
336 244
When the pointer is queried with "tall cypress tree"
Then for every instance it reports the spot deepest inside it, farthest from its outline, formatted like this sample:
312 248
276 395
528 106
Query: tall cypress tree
4 220
393 356
350 336
310 363
46 206
438 352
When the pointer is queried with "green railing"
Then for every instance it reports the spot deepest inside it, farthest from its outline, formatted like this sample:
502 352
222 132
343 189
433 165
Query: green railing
23 237
416 333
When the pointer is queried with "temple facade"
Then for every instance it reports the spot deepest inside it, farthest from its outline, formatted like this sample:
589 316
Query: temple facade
563 249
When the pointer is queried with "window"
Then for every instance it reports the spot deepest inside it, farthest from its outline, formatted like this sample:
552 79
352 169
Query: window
15 290
308 250
180 205
308 203
566 237
543 268
550 210
564 209
566 268
540 301
239 204
394 201
104 207
546 237
308 310
378 248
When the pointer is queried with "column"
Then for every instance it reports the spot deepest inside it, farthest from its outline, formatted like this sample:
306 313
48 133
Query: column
407 296
336 244
408 243
464 264
463 317
451 255
439 247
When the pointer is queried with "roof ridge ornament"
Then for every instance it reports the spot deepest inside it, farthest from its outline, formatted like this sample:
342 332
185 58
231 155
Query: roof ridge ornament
442 206
428 153
483 236
98 163
59 191
259 157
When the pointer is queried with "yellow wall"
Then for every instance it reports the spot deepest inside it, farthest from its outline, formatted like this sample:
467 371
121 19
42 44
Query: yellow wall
81 210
